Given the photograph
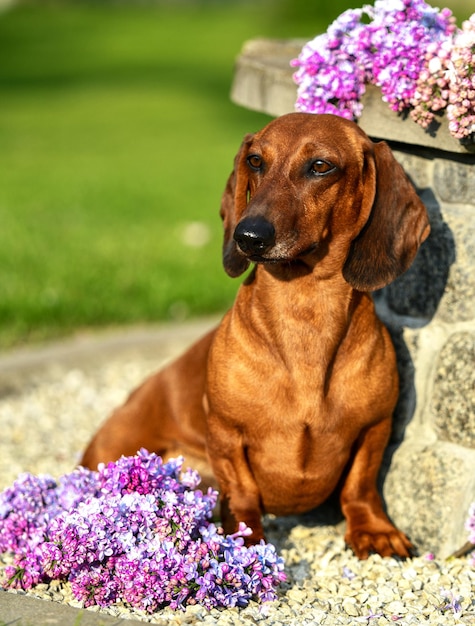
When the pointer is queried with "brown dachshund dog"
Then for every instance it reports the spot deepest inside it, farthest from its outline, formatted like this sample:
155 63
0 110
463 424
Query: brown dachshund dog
291 397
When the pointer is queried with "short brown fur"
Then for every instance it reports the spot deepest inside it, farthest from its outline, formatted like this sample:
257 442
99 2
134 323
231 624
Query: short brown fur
292 395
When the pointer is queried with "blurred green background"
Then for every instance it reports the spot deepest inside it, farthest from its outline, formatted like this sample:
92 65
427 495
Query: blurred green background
116 138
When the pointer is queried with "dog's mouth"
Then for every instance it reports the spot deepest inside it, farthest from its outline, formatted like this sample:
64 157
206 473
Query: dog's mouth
262 259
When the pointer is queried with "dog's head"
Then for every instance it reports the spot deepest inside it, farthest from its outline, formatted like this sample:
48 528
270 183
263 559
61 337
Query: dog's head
316 189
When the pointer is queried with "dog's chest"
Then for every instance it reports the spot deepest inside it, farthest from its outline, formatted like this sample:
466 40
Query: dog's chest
325 375
267 396
305 463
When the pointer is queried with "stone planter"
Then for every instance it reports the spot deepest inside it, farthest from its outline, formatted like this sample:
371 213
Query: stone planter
263 82
430 310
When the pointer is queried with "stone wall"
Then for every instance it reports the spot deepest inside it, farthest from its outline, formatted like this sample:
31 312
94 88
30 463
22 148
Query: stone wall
429 478
430 311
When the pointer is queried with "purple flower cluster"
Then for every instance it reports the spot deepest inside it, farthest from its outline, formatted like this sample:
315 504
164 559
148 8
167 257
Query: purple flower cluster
138 531
413 52
470 526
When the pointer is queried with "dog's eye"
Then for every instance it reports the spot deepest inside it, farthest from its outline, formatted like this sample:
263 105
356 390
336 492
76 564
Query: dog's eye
254 161
321 167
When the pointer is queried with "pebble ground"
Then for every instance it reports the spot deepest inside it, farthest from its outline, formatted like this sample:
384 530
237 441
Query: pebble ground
48 413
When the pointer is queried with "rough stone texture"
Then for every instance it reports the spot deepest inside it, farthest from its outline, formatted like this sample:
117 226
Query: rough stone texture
458 303
432 484
453 399
454 181
429 467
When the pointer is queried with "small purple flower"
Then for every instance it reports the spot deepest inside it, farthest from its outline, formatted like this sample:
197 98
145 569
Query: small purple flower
369 617
451 602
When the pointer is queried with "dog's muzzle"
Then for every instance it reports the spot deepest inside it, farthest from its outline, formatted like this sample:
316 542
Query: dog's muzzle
254 236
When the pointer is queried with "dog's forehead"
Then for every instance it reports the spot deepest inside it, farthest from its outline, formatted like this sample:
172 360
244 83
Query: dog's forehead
307 133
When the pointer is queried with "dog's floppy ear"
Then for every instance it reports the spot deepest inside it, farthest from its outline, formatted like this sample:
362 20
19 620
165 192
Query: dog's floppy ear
396 227
233 203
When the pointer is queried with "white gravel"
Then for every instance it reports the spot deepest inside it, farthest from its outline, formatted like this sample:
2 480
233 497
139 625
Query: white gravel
47 416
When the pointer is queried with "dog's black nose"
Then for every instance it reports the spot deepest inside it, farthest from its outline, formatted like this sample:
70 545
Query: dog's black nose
254 235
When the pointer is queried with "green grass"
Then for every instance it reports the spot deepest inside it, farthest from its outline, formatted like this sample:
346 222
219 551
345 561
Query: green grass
116 131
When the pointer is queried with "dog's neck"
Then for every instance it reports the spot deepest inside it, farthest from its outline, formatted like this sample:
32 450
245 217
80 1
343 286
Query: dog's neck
297 312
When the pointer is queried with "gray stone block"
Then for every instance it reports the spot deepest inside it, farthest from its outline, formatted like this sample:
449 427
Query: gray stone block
453 399
458 303
428 491
454 181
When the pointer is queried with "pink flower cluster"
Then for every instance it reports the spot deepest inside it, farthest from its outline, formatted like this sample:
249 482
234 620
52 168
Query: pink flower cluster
136 531
447 81
413 52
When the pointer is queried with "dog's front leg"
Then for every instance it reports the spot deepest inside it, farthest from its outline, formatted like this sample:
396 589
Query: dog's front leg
239 495
368 529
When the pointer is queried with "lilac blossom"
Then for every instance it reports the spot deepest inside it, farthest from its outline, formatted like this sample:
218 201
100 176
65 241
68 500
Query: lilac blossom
448 82
413 52
331 71
138 531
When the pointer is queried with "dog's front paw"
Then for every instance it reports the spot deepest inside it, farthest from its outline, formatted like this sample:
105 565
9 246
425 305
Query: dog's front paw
389 542
246 523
